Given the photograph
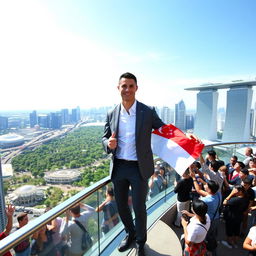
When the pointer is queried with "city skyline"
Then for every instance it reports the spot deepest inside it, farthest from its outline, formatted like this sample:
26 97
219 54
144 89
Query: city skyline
60 54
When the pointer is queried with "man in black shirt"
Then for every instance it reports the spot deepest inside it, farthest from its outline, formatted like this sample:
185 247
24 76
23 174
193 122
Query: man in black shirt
183 189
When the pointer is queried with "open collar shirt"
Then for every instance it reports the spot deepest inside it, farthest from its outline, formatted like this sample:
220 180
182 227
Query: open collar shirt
126 144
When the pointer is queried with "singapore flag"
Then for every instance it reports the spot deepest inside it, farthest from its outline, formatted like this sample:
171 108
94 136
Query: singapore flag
172 146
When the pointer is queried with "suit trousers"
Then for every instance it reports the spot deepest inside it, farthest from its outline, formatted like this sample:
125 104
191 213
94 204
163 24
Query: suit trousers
126 174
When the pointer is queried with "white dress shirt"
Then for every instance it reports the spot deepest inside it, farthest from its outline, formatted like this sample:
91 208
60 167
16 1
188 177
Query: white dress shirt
126 148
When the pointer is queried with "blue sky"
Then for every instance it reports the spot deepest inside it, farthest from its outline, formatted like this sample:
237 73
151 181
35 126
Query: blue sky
58 54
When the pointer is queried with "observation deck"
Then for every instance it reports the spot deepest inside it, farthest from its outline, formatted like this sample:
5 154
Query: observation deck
163 237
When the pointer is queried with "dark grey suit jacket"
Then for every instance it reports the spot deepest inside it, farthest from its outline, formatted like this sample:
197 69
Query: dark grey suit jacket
146 120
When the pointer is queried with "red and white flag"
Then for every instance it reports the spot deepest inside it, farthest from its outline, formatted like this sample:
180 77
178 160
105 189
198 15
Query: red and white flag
172 146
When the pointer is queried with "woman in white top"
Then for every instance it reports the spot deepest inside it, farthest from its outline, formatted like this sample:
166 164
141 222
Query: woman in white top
195 230
250 241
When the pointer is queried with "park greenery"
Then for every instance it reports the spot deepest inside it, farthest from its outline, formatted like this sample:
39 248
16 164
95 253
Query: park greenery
81 149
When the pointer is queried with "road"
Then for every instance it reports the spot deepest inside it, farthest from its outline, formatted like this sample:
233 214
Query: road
35 142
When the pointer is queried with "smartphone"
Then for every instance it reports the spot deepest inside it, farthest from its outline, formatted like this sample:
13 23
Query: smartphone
185 217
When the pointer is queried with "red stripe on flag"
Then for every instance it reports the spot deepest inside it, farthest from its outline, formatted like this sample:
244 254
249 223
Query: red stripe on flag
169 131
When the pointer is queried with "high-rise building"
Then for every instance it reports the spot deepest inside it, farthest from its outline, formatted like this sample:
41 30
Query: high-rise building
55 120
237 118
64 116
166 115
180 115
44 121
3 123
2 202
33 119
75 115
78 113
254 122
190 119
237 121
252 116
15 122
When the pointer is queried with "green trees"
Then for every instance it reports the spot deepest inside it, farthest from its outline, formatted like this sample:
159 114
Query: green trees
53 196
80 148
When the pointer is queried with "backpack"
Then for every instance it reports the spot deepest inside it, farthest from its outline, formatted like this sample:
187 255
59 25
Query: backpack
86 242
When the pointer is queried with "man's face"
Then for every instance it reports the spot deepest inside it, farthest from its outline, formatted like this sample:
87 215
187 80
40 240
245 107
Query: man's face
24 221
247 152
237 167
211 157
252 164
127 88
232 161
241 175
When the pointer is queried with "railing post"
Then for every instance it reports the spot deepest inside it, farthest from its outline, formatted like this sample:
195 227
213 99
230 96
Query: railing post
98 220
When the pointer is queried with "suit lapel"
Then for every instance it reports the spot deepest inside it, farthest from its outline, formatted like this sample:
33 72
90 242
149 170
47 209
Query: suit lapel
116 119
139 118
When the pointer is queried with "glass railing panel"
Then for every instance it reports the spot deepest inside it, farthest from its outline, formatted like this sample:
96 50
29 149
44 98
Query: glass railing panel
62 235
109 221
53 231
225 151
55 235
100 235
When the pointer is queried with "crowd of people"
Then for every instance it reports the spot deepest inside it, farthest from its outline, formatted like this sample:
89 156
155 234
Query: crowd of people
63 236
209 191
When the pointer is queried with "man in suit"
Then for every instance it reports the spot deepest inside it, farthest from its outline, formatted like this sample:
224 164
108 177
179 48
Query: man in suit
127 135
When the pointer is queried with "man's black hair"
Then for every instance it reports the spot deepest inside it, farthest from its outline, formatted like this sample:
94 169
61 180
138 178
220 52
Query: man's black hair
235 157
253 159
75 209
215 166
213 186
128 75
247 181
21 216
197 164
110 191
245 171
211 153
242 165
240 188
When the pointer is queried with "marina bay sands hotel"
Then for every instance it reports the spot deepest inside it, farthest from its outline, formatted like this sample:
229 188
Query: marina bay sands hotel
237 121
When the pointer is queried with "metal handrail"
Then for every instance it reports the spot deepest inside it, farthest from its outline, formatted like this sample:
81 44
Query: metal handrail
213 144
26 231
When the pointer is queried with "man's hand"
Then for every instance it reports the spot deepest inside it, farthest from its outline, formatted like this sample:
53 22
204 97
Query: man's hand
10 210
112 141
184 223
193 137
234 191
